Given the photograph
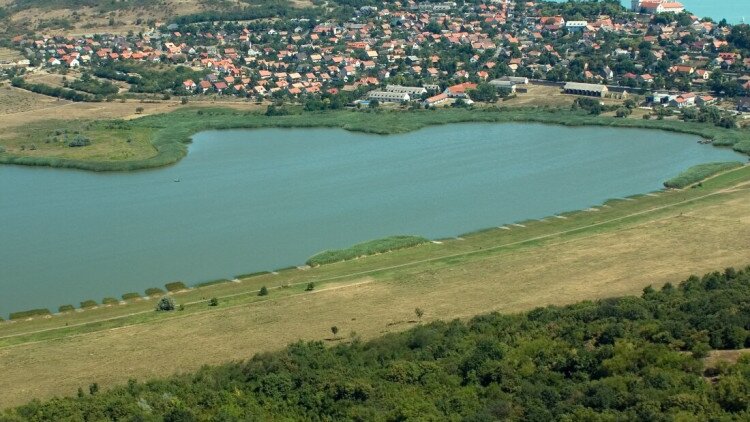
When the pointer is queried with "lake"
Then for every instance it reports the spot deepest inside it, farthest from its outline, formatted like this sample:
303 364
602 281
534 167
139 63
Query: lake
251 200
731 10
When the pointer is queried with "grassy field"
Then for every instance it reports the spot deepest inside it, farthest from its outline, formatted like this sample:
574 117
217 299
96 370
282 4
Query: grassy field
170 133
618 249
9 56
14 101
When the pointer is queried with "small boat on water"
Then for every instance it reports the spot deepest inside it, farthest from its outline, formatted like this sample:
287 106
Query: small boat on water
176 180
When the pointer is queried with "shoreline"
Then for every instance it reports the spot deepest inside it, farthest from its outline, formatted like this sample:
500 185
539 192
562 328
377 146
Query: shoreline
174 131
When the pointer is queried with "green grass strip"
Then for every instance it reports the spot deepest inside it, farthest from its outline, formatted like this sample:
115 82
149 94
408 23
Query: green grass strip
367 248
700 172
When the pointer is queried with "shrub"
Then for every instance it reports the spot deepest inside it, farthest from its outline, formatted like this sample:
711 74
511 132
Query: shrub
623 112
213 302
30 313
263 291
165 304
175 286
310 287
88 304
131 296
79 141
110 301
66 308
154 291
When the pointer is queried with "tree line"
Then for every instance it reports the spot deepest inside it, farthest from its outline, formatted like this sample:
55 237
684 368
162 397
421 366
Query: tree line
52 91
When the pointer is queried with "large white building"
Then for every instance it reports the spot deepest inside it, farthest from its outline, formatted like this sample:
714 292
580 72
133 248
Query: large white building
388 97
411 90
657 6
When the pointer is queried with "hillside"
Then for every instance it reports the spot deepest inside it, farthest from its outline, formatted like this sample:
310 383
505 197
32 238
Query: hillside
626 358
76 17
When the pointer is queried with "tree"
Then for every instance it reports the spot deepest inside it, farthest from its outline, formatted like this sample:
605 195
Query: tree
484 92
419 313
139 110
623 112
165 304
310 287
263 291
334 330
184 100
213 302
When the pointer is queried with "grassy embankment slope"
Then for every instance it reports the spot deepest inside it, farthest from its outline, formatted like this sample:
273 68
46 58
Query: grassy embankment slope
161 140
617 250
629 358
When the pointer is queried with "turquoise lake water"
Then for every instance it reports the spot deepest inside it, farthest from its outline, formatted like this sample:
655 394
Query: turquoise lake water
731 10
265 199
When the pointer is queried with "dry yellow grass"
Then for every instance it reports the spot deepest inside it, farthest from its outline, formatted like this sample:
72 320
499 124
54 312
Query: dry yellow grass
694 238
14 100
8 55
729 356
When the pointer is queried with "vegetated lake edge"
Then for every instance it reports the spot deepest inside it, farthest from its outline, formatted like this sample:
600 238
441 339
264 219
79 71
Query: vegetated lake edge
173 131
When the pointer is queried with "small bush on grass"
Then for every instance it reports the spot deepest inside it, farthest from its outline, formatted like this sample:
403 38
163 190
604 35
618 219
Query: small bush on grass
166 303
175 286
79 141
154 291
263 291
213 302
66 308
88 304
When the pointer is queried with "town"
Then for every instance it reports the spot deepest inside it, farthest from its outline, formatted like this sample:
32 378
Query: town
423 54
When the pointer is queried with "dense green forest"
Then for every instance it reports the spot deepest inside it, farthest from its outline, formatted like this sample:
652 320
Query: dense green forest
630 358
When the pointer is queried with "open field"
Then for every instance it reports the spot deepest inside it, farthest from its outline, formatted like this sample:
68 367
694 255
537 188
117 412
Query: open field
617 250
14 101
8 56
